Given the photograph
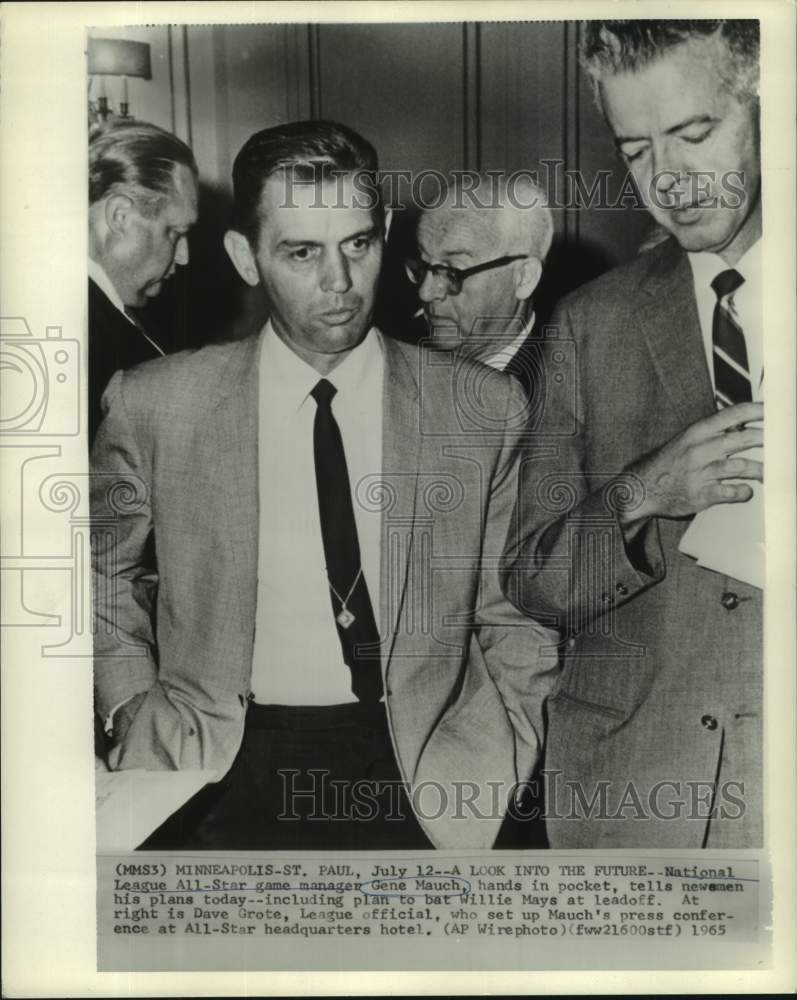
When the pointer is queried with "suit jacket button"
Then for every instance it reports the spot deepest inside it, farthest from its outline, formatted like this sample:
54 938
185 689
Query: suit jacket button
709 722
729 600
621 589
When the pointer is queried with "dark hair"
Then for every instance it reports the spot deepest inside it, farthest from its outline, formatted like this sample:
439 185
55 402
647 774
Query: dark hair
611 47
138 159
311 151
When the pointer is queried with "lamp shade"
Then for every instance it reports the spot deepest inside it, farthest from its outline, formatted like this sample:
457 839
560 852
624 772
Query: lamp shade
117 57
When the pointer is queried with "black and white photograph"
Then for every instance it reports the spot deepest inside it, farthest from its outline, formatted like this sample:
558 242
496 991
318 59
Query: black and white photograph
393 489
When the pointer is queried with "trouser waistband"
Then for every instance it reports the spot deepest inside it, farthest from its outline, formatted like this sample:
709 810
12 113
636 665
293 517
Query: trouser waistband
316 717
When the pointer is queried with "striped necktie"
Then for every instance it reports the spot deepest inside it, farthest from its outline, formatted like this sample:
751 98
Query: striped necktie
731 369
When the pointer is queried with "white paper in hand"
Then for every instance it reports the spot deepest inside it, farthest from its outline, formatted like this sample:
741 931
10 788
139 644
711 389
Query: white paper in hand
729 537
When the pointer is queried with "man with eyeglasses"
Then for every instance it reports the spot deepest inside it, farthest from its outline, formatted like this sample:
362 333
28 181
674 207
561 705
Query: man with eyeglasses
480 257
326 627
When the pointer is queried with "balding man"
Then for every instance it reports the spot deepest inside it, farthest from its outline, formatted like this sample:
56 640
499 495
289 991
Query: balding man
142 202
480 257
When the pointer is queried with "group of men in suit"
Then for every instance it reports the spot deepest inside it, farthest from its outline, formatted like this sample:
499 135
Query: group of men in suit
392 587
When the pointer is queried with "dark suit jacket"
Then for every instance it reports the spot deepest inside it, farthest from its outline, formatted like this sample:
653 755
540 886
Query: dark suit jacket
663 676
465 674
114 342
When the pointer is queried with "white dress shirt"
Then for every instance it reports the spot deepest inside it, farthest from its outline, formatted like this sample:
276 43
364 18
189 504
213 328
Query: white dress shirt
502 358
104 283
297 656
744 304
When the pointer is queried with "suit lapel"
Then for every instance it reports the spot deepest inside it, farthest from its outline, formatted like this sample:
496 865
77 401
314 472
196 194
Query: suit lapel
235 451
669 322
401 444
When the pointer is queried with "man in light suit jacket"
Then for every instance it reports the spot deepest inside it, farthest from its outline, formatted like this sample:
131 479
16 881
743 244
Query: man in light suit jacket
655 729
329 507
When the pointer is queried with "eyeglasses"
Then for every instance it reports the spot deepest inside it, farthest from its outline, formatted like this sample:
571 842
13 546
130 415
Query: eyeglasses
452 277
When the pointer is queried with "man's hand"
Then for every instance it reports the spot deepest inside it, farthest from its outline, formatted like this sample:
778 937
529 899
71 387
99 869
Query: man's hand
124 715
688 474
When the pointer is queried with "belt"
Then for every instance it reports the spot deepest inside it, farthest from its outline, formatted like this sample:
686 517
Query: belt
316 717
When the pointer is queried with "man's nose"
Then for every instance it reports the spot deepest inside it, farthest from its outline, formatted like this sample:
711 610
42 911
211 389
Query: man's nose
335 275
668 170
432 288
181 251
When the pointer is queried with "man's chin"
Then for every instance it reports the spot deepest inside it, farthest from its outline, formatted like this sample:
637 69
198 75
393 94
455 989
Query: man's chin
700 234
137 302
338 337
444 336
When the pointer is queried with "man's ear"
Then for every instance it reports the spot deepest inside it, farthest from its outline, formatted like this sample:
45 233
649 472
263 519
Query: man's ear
528 277
240 253
119 211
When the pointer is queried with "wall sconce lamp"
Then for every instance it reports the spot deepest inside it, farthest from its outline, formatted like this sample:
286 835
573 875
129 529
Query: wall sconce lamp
115 57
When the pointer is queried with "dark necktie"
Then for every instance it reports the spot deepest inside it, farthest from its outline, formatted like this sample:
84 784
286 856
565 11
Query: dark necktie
351 605
139 326
731 369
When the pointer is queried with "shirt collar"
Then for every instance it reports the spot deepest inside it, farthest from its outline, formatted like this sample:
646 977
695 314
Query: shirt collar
104 283
706 266
502 358
291 379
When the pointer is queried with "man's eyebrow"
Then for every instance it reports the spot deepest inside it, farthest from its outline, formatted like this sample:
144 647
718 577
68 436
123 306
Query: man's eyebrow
694 120
297 243
367 231
457 253
621 140
288 243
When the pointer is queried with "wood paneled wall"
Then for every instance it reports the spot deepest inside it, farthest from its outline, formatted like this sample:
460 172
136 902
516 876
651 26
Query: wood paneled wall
499 96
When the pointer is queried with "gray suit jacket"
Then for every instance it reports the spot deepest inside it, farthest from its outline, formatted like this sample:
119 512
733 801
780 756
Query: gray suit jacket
465 674
662 680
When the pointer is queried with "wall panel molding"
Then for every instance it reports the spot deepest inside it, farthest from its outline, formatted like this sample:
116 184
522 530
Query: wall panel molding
472 96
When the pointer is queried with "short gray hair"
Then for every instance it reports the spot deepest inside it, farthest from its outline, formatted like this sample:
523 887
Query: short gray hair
611 47
516 193
137 159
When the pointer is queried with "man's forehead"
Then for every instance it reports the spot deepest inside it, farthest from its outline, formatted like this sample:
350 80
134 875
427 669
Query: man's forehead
451 229
291 209
181 208
685 80
285 189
